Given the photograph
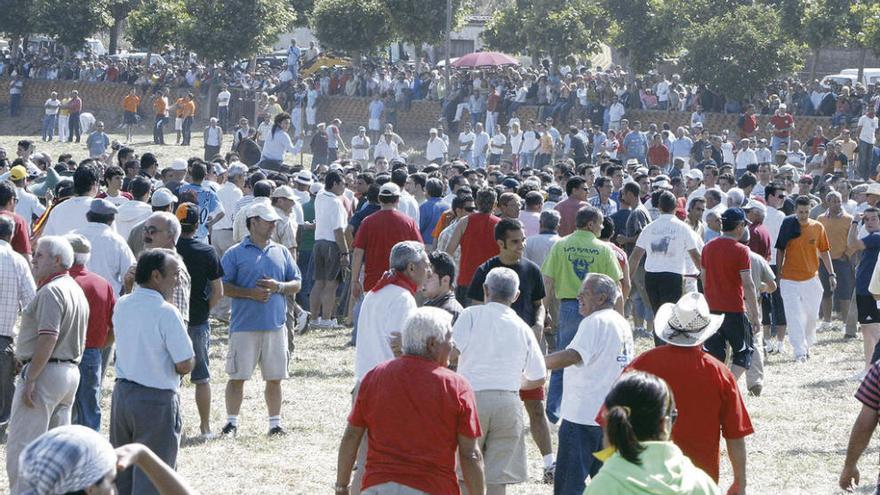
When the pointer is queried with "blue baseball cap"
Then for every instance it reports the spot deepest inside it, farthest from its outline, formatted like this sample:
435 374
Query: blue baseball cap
734 215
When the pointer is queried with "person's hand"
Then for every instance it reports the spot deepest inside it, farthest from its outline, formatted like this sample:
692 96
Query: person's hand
736 489
28 395
268 283
128 278
357 289
849 478
129 455
832 282
260 294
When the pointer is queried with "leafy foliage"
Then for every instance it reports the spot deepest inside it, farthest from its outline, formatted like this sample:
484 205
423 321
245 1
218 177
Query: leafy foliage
70 23
731 56
352 26
235 29
154 23
418 21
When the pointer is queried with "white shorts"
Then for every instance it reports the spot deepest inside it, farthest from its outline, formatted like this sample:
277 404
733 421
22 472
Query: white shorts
266 348
178 124
374 124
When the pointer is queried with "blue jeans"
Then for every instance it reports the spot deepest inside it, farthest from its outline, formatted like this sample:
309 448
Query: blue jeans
307 269
574 459
526 158
200 335
569 319
48 131
479 160
777 142
87 405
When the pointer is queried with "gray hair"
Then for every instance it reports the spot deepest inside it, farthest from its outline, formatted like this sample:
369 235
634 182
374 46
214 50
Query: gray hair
7 227
502 284
602 284
421 325
834 193
82 248
58 246
406 252
171 221
550 220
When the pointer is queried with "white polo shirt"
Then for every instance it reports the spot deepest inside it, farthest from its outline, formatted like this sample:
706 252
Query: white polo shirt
497 348
329 215
604 342
150 338
435 149
68 215
362 154
382 313
111 257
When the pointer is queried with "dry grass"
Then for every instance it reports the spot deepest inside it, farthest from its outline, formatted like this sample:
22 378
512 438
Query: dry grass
802 420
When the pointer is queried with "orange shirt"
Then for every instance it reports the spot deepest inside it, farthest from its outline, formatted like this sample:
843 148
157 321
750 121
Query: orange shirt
188 109
837 230
178 106
130 103
802 253
160 105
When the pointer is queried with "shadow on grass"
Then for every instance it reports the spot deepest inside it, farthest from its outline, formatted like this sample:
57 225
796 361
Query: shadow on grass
830 383
322 374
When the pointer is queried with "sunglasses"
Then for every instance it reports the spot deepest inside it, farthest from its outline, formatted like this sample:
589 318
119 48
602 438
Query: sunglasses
470 209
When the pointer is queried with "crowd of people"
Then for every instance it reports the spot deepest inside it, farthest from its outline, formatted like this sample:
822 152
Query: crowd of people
484 287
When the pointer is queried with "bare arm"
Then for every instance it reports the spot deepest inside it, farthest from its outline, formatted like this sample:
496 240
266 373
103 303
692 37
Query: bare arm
859 437
163 477
852 239
471 460
357 260
780 261
695 257
562 359
752 307
825 256
258 293
634 259
455 238
184 367
348 448
216 292
736 450
339 234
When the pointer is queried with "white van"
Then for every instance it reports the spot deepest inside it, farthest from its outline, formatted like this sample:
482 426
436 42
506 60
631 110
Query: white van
840 79
870 76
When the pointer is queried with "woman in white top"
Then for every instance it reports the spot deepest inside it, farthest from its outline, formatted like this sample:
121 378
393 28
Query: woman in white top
515 138
277 143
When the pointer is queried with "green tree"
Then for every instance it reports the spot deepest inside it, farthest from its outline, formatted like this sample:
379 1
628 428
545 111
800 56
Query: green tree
418 21
553 28
732 57
644 31
154 24
352 26
70 23
303 10
822 25
232 30
17 20
863 30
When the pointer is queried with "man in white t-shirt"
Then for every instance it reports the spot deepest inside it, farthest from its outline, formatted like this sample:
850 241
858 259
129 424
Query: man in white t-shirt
51 114
665 242
436 149
499 355
481 146
867 131
745 156
466 144
602 347
223 98
496 146
331 249
360 146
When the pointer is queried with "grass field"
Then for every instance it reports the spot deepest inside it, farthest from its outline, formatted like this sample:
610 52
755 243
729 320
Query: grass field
802 420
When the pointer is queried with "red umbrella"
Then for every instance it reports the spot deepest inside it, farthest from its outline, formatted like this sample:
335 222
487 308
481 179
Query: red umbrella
485 59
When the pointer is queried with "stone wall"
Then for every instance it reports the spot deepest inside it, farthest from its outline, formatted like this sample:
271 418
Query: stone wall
105 99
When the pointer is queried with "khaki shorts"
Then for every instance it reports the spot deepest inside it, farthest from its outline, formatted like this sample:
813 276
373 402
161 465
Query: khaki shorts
503 442
247 349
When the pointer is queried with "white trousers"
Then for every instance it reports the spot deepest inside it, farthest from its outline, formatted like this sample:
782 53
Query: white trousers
801 301
63 122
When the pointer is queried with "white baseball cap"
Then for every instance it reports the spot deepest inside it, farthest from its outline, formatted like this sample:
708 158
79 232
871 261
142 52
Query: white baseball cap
264 211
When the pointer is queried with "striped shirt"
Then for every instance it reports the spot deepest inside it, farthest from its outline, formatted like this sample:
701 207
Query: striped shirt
869 391
18 287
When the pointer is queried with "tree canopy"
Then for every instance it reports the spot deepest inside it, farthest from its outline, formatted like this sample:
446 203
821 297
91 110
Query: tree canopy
154 23
352 26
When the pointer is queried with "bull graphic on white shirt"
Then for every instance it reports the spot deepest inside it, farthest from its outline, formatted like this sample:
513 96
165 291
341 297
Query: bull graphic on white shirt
661 246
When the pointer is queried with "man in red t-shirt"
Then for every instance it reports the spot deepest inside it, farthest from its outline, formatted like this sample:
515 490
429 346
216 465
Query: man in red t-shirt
20 242
706 395
726 280
102 300
415 450
759 236
748 124
476 236
375 237
782 124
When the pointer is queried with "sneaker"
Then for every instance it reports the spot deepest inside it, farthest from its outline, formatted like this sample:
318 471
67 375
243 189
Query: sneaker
333 324
549 474
800 359
770 346
277 431
755 390
320 323
206 437
229 430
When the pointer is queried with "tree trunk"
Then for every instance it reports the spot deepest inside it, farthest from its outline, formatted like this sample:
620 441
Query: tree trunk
115 30
863 53
816 52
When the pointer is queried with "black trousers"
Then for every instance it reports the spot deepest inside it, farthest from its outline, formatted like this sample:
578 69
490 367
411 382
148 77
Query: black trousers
662 288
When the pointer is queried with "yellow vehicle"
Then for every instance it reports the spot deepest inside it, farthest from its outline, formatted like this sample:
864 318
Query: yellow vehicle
323 60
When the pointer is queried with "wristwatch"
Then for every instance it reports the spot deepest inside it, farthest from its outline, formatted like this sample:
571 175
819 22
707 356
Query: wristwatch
343 254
